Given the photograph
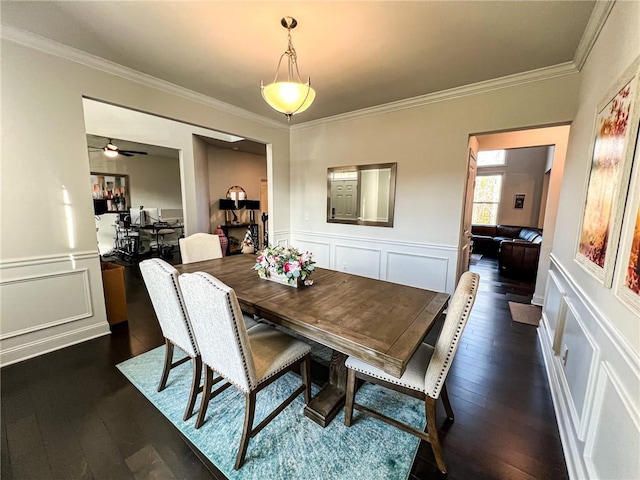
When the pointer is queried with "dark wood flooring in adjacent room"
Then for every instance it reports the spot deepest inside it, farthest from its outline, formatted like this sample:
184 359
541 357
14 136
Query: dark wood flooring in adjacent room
71 414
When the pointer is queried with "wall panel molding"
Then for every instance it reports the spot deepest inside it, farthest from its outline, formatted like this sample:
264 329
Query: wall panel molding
369 240
365 261
572 455
47 259
625 350
590 359
84 309
70 307
554 310
596 396
421 265
615 412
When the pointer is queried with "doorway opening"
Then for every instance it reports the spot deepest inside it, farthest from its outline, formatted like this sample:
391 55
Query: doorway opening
529 193
193 171
137 198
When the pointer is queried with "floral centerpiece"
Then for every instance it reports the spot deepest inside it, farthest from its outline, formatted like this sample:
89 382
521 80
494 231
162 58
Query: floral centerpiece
285 265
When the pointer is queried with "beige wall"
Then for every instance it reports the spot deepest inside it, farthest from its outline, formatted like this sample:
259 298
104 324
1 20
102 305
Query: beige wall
47 223
599 74
429 142
228 168
524 174
590 340
153 181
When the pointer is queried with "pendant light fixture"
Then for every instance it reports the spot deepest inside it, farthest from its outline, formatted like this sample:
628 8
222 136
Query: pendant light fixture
290 96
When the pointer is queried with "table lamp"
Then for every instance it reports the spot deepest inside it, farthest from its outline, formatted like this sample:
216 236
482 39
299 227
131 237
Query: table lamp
252 206
229 205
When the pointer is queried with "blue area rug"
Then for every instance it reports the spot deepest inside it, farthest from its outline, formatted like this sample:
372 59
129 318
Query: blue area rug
291 446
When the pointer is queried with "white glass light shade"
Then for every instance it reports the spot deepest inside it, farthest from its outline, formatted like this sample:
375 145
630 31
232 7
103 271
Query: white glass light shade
289 97
110 153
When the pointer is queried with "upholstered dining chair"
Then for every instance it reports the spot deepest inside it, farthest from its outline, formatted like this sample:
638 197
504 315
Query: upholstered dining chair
250 360
161 280
199 247
424 377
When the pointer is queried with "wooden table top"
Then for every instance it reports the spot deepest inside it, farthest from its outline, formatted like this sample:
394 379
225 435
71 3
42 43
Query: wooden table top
380 322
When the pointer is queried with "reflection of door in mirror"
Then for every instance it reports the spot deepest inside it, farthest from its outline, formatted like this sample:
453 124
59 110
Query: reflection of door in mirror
344 196
361 194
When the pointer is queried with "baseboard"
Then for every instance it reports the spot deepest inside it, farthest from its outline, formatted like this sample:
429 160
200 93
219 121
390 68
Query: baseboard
537 300
29 350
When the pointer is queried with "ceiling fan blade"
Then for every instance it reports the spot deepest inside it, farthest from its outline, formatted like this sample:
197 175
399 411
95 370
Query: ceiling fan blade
132 152
125 153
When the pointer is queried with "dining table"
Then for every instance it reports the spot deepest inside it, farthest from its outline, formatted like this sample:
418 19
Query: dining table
379 322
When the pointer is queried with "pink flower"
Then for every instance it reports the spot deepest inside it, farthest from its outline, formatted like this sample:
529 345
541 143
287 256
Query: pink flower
291 266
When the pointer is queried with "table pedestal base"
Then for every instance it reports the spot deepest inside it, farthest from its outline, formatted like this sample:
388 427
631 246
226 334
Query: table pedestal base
327 403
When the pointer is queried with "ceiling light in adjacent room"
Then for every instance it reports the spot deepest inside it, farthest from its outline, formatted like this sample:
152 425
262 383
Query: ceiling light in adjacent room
110 150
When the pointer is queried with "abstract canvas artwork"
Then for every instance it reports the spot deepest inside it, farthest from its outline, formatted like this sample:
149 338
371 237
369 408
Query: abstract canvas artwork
608 179
628 278
112 187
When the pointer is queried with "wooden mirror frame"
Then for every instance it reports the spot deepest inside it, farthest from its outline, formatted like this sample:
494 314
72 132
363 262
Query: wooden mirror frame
359 168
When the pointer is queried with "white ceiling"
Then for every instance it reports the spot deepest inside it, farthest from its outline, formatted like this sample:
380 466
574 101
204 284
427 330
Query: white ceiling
358 54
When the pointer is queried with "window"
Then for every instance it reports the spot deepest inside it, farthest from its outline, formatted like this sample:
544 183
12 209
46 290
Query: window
486 198
491 158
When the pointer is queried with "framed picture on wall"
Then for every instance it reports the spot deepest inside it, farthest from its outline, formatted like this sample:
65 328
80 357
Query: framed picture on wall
519 201
112 188
628 271
608 179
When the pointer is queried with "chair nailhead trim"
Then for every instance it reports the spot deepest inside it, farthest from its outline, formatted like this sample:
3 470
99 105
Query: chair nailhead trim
452 348
387 379
235 332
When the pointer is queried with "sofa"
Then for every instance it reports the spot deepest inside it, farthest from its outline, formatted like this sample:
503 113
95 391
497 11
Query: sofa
517 248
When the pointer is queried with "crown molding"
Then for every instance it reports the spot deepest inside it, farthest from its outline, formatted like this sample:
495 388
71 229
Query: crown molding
545 73
597 20
51 47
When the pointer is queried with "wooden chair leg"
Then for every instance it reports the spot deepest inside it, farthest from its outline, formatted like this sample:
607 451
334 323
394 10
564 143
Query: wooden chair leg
249 412
434 438
195 387
168 359
206 395
305 372
351 393
445 401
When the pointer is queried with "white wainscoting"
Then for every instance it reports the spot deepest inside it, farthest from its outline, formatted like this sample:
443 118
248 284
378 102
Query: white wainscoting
49 303
280 238
596 388
407 263
613 430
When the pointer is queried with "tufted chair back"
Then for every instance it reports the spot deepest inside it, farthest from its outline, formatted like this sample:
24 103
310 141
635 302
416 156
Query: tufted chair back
219 327
161 280
199 247
447 344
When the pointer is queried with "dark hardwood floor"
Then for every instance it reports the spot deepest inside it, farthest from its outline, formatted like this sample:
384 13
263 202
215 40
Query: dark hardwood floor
71 414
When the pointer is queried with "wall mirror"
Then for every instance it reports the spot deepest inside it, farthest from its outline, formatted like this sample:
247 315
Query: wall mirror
362 194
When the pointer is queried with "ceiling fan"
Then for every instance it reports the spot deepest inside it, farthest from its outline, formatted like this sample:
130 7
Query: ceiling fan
111 150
